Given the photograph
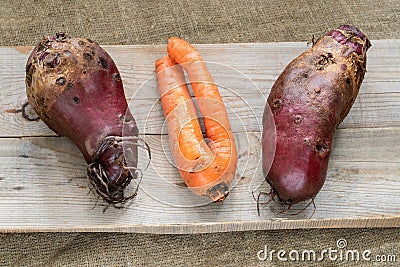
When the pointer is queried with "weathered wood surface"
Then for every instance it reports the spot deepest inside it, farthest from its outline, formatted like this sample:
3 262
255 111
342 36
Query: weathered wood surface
42 176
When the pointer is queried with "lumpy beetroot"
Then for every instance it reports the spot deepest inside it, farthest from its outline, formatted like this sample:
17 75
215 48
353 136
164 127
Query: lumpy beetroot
76 89
310 98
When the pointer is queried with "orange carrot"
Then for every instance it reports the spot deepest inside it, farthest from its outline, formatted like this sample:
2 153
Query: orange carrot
207 169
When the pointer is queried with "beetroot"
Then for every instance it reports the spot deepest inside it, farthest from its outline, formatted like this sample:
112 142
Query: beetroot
76 89
310 98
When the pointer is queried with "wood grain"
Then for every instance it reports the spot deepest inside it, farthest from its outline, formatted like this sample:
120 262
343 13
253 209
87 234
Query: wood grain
42 177
245 72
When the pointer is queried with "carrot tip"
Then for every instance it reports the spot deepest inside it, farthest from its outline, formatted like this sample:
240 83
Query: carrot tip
167 60
181 51
218 192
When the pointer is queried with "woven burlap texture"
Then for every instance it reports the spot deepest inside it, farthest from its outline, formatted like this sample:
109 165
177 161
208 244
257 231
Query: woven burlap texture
221 249
209 21
153 22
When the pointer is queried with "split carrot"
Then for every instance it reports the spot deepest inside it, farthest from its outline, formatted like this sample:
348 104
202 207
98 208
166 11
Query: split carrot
209 167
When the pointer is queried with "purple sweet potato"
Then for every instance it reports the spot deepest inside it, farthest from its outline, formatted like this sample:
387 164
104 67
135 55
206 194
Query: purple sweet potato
309 99
76 89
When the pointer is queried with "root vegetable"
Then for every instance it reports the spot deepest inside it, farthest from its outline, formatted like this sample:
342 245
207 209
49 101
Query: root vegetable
310 98
76 89
206 168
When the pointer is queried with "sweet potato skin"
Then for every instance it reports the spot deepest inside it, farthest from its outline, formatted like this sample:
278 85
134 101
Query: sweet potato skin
309 99
76 89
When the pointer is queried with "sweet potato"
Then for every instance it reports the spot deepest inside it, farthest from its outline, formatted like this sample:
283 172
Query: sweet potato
76 89
309 99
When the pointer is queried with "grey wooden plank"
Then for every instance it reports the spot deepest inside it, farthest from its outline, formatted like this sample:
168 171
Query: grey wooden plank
42 179
245 73
43 186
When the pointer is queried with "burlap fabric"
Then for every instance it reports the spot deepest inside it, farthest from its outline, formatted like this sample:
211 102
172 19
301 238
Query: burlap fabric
205 21
221 249
153 22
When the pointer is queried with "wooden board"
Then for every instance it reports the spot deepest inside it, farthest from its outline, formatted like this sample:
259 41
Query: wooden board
42 176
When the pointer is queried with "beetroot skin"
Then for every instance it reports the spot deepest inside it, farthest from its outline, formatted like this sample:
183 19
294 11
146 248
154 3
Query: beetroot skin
310 98
76 89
